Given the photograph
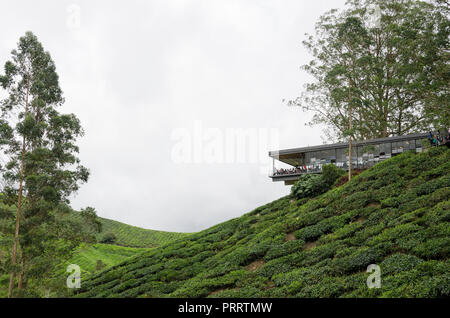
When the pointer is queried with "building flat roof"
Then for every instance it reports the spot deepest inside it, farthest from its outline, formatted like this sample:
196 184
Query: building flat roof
276 154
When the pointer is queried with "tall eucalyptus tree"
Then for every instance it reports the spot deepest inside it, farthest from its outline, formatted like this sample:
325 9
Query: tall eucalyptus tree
43 168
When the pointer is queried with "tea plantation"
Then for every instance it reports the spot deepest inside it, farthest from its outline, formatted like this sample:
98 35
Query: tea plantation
395 214
132 236
94 257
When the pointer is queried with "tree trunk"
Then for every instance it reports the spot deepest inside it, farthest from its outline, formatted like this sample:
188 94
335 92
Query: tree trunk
19 204
21 274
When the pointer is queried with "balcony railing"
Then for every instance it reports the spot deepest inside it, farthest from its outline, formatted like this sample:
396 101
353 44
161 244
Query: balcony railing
358 163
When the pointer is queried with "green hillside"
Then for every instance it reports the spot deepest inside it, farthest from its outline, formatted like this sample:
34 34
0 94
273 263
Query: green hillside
128 235
90 258
94 257
130 241
132 236
395 214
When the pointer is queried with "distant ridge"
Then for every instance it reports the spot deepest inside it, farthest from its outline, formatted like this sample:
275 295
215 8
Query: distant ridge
133 236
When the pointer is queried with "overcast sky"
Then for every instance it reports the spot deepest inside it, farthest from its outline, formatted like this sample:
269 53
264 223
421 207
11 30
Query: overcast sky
166 91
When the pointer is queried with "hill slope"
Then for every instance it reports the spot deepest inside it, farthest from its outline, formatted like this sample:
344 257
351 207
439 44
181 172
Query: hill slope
91 258
128 235
395 214
94 257
132 236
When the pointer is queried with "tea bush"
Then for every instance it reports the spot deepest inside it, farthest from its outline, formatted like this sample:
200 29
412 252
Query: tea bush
308 186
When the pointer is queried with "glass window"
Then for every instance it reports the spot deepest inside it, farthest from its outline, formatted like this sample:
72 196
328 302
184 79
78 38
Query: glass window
385 149
341 155
400 146
302 160
308 158
421 144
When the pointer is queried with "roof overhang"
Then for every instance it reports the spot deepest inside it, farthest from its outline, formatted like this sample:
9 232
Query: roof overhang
293 153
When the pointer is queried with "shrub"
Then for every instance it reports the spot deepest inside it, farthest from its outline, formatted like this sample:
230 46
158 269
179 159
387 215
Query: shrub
313 232
99 265
434 248
398 263
308 186
245 292
275 266
359 260
311 185
328 287
319 254
330 173
109 238
279 250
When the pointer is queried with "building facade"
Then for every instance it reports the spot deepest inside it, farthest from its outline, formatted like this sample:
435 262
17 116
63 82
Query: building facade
364 155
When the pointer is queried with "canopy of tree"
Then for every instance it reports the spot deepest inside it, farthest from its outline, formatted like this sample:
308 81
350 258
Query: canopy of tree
383 62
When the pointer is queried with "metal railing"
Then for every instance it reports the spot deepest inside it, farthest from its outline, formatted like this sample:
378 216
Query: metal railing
358 163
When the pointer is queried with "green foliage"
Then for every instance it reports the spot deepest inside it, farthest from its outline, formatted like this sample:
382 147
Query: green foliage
75 228
404 55
311 185
330 173
319 247
70 233
108 238
308 186
398 263
94 257
43 169
132 236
